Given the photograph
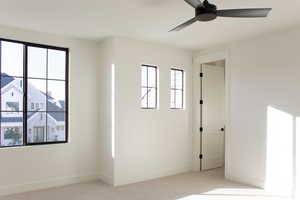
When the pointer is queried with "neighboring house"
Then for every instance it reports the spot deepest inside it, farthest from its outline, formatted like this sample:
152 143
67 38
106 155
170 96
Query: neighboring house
37 118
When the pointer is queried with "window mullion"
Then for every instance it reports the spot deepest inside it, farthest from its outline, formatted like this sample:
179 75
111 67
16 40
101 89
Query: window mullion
0 92
67 97
156 96
182 87
46 96
25 84
147 93
175 79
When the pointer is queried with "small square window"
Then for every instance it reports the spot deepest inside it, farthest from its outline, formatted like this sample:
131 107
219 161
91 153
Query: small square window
177 89
37 62
12 56
149 87
11 94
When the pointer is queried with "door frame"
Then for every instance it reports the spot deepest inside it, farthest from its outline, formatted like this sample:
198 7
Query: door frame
202 58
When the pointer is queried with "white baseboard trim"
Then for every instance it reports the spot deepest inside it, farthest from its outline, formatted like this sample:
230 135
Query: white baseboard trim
39 185
260 183
152 176
106 179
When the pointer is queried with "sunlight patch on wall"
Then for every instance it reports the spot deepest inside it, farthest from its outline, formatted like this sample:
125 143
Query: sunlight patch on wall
297 171
279 154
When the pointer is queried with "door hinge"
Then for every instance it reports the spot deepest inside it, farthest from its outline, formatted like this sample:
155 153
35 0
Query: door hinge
201 102
201 74
200 156
201 129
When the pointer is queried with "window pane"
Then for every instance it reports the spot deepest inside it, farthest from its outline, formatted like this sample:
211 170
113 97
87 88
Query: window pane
151 77
179 78
179 99
11 129
144 76
46 88
56 64
56 96
56 127
144 98
36 127
152 98
11 94
36 95
172 78
12 58
172 99
37 62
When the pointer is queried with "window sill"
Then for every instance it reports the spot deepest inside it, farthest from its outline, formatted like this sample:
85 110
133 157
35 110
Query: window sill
44 144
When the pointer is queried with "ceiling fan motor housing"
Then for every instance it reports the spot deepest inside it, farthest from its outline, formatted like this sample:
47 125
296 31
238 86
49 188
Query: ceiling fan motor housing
207 12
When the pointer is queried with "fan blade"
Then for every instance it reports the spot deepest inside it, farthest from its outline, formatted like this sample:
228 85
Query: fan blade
194 3
185 24
254 12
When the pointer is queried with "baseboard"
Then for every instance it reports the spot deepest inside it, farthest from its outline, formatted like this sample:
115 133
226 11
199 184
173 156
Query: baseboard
260 183
39 185
153 176
106 179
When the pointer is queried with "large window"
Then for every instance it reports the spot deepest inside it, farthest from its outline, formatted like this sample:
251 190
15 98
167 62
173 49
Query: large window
34 88
177 89
149 87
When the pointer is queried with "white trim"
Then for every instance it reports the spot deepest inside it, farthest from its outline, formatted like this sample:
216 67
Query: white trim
199 59
152 176
32 116
7 87
11 124
106 179
250 181
38 185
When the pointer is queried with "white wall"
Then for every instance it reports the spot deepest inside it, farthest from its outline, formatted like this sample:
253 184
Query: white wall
150 143
264 72
106 58
153 143
27 168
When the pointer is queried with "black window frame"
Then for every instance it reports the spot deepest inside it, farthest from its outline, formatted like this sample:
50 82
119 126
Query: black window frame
177 89
147 87
25 79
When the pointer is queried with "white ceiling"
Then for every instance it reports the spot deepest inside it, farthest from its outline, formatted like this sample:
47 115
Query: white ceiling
148 20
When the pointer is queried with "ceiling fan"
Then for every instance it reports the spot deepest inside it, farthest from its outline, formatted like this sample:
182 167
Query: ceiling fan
207 12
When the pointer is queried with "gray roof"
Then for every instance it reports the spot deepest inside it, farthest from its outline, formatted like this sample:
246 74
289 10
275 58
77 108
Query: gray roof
53 107
58 116
11 119
5 79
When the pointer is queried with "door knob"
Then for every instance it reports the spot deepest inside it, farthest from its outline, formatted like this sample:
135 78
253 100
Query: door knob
222 129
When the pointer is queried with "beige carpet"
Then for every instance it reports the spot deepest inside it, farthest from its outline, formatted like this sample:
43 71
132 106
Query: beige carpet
208 185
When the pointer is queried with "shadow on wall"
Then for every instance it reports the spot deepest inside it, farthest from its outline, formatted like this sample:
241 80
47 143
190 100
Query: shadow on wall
282 164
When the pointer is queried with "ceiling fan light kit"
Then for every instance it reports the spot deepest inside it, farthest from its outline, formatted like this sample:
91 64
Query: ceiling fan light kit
207 12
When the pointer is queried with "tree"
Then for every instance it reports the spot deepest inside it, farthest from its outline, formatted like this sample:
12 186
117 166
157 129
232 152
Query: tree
14 135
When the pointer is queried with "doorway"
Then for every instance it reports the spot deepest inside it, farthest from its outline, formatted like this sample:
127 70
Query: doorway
210 111
212 115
